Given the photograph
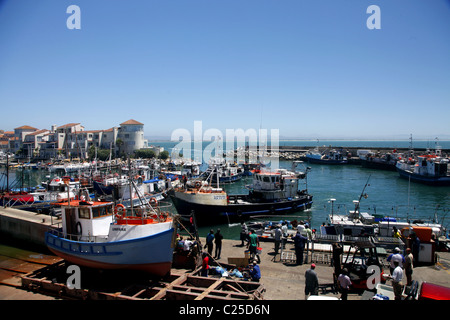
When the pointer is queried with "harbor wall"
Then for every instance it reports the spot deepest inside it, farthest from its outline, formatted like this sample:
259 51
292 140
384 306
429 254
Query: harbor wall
354 150
24 226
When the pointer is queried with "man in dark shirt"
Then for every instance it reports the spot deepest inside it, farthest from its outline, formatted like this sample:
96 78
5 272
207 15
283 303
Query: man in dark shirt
311 282
218 241
299 243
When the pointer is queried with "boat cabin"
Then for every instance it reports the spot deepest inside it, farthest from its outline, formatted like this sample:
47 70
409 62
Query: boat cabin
86 221
431 165
278 185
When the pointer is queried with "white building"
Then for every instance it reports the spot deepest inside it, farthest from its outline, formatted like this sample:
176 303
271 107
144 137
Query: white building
131 133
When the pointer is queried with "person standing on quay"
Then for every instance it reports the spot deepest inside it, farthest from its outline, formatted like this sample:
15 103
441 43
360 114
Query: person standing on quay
205 264
299 244
218 241
311 282
244 233
408 265
209 241
396 256
397 277
344 283
253 245
277 238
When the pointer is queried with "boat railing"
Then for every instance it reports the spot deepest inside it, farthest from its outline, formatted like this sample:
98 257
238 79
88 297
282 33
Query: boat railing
75 237
19 201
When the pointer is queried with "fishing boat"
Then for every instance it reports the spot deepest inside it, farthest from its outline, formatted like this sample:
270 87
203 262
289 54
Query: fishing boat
99 235
223 171
356 223
179 168
327 157
139 187
272 193
353 224
376 160
430 169
69 168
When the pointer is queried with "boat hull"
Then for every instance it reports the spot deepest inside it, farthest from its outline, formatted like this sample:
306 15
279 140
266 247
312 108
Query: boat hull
227 179
325 161
381 165
428 180
152 254
207 214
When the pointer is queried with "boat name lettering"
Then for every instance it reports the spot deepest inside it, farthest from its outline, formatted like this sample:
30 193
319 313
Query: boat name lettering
119 229
219 197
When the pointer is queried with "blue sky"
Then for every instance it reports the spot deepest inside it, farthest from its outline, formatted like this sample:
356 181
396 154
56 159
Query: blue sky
310 68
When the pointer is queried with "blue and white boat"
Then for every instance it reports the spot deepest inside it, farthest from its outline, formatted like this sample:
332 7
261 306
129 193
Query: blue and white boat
98 235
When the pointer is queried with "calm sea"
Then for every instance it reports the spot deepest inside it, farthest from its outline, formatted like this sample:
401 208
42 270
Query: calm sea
363 144
387 193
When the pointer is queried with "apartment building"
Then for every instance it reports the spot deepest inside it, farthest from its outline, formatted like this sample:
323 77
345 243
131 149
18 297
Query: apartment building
73 141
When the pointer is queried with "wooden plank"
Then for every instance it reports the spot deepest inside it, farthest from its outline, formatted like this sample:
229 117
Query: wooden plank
180 280
10 278
210 288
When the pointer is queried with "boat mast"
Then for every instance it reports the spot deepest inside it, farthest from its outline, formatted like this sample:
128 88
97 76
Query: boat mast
7 171
332 208
129 184
357 206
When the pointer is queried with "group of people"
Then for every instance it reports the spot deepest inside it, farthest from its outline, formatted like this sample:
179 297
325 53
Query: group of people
214 239
301 238
399 265
253 270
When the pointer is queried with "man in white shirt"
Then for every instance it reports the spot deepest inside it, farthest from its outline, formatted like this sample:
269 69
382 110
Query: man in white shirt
301 227
284 229
397 276
344 283
187 245
396 256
